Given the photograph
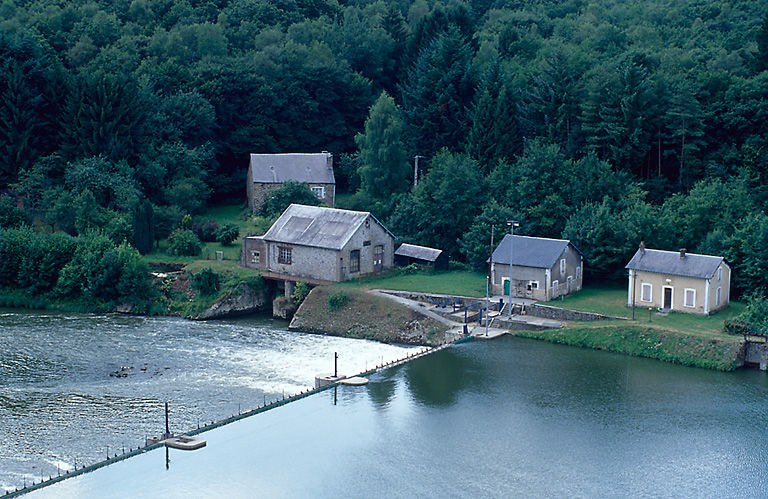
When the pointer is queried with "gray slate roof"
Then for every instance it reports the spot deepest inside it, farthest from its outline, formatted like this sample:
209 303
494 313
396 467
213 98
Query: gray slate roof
317 226
538 252
315 168
420 252
670 262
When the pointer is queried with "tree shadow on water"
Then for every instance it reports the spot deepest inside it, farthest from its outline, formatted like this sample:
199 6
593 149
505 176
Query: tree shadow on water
437 379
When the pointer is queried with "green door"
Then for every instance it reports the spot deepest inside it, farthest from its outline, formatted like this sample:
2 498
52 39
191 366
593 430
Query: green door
506 288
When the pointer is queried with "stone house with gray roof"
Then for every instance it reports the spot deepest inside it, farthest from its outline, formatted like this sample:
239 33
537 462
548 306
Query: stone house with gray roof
318 244
542 268
271 171
678 280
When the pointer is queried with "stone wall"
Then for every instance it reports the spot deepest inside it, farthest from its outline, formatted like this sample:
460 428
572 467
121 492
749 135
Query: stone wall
564 314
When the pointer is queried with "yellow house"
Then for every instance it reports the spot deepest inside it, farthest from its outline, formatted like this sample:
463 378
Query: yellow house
681 281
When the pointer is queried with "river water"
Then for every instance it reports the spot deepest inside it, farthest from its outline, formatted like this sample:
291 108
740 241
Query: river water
73 386
505 418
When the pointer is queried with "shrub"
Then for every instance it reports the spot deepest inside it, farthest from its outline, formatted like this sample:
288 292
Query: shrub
184 242
291 192
206 230
227 234
300 291
10 215
206 281
337 300
753 320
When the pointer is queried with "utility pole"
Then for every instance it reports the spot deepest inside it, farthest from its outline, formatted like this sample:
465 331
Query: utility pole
512 224
488 285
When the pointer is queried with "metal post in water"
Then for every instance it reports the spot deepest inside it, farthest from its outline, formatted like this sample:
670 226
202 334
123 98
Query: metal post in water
335 364
167 429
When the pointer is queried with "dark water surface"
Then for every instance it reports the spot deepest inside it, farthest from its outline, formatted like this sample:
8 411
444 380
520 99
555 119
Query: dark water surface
73 386
507 418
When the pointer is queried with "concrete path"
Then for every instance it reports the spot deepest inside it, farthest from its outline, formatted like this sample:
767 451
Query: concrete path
418 307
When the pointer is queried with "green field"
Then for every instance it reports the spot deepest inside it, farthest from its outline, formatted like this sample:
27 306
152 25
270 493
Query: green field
612 300
451 283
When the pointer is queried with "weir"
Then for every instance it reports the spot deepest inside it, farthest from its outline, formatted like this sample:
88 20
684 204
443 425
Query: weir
152 444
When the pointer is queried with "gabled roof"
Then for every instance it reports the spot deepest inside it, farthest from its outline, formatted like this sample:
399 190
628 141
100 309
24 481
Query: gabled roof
420 252
671 263
318 226
538 252
316 168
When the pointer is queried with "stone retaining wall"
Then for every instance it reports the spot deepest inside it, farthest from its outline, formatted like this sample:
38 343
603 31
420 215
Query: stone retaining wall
564 314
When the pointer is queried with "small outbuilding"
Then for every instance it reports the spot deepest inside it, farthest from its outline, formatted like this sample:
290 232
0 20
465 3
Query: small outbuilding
407 254
270 171
318 244
542 268
678 280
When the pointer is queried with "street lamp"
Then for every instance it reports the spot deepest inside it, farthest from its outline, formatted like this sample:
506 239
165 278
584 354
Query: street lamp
512 224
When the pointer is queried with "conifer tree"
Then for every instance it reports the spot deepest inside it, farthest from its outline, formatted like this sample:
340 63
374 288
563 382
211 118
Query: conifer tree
384 170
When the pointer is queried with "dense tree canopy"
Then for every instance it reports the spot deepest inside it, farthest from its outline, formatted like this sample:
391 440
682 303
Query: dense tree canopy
605 122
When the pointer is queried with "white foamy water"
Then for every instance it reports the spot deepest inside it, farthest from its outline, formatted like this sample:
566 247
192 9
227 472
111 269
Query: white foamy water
76 387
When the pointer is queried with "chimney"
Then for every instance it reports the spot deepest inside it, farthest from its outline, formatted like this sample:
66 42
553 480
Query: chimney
642 247
328 159
682 252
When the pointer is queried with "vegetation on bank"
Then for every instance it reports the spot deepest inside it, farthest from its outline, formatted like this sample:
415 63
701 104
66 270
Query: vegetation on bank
720 352
356 313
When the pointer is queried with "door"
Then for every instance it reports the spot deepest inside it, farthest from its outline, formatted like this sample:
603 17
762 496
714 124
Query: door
378 258
667 298
506 287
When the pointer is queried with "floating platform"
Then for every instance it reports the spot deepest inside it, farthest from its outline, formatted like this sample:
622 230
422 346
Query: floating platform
354 381
185 442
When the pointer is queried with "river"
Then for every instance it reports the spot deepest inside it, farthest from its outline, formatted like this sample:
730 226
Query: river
73 386
505 418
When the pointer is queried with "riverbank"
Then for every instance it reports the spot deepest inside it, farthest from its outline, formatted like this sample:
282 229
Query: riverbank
722 353
356 313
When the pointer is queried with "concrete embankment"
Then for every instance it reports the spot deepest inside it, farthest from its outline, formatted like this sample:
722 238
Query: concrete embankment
642 341
355 313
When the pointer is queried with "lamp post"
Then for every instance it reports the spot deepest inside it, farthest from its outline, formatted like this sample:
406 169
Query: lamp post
633 278
512 224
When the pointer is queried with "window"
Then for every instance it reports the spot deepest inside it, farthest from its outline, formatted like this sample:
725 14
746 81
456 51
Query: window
378 257
366 243
562 265
646 292
718 295
354 261
255 256
720 273
690 297
578 272
284 255
533 285
319 191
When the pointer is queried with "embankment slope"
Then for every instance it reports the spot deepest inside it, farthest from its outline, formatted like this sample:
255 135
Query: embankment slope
365 315
645 341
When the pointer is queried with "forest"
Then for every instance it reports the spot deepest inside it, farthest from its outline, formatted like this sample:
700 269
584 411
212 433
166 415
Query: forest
604 122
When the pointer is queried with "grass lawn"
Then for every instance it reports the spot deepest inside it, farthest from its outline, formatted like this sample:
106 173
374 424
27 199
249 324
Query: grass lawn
612 300
453 283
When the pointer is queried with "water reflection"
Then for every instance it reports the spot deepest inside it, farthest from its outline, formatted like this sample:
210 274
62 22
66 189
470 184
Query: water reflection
437 379
382 391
